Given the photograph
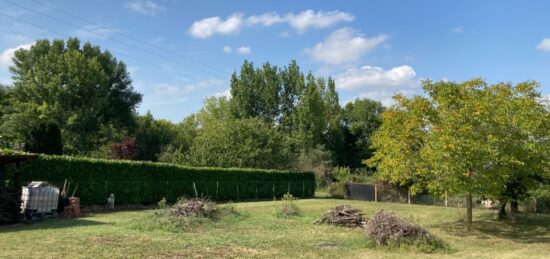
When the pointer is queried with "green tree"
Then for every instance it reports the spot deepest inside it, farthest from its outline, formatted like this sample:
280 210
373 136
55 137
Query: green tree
250 143
84 90
362 117
399 141
334 135
310 118
153 135
474 138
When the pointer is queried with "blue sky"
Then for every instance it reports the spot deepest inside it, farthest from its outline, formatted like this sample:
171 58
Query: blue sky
186 50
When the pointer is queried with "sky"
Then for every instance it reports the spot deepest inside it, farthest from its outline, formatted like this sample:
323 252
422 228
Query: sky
180 52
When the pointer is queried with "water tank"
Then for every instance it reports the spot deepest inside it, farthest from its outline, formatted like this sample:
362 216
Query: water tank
39 198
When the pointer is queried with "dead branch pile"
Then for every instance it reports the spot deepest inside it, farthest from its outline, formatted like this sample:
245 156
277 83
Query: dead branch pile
388 228
344 216
194 207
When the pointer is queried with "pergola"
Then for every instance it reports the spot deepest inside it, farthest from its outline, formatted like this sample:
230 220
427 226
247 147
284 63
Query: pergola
13 159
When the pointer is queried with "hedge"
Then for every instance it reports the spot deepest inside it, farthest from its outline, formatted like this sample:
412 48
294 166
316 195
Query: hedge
136 182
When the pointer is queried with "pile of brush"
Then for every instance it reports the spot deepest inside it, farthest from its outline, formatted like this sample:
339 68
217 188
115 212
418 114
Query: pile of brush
194 207
344 216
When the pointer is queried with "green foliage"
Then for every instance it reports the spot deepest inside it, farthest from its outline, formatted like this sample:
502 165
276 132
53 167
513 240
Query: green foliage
362 118
317 160
152 135
46 139
341 174
288 206
337 190
146 182
241 143
83 90
467 138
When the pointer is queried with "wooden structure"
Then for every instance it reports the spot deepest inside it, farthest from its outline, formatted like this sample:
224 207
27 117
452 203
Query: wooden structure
16 159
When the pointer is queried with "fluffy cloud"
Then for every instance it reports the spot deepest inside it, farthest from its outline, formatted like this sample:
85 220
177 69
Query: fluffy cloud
148 8
377 83
301 22
7 55
215 25
544 45
310 19
344 46
243 50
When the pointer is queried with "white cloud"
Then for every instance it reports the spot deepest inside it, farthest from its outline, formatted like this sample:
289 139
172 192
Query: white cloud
266 19
225 93
243 50
544 45
310 19
377 83
94 31
301 22
171 93
344 46
215 25
7 55
148 8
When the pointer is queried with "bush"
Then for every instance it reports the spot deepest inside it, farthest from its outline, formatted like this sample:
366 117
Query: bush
138 182
337 190
288 207
388 229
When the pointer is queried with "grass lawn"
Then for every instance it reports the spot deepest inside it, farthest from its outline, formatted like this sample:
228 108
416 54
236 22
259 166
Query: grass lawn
257 232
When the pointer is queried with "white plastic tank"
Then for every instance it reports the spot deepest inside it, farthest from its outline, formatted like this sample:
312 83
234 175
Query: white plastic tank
39 198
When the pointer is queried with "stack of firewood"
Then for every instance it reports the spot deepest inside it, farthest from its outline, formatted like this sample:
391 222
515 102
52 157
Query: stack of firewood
344 216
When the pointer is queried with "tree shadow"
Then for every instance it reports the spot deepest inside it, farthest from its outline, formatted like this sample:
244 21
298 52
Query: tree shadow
45 224
523 228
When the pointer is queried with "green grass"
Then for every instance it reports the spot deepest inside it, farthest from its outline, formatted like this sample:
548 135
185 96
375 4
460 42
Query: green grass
257 232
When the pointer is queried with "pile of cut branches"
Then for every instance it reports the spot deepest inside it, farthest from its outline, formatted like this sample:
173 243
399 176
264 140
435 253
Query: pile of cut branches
344 216
194 207
389 229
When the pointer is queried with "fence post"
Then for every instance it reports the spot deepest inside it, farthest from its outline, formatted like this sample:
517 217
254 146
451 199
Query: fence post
273 190
217 187
303 190
535 198
375 192
446 199
195 188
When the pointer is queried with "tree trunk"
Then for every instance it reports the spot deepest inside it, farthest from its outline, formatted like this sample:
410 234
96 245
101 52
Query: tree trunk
469 207
502 210
514 206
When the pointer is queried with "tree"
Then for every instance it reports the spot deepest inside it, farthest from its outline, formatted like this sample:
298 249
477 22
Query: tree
399 141
362 117
153 135
45 139
85 91
472 138
310 119
250 143
334 135
127 149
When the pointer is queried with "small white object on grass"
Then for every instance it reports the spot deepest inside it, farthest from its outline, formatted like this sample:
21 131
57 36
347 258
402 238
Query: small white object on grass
111 202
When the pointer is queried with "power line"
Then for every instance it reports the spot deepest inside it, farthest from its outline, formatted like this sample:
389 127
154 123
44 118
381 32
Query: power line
66 35
115 40
128 36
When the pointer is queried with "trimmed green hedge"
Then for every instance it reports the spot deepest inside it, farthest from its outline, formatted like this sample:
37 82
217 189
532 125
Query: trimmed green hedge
147 182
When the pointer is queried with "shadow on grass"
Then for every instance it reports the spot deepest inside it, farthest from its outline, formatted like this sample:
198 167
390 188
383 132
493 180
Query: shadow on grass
523 228
46 224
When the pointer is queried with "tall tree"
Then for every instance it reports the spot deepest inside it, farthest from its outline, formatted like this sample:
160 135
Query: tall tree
474 138
293 83
80 88
362 117
334 135
310 119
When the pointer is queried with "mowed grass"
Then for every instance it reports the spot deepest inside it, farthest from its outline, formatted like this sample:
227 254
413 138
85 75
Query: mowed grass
258 232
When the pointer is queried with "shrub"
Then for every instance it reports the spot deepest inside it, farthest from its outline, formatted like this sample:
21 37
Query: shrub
337 190
139 182
288 206
388 229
